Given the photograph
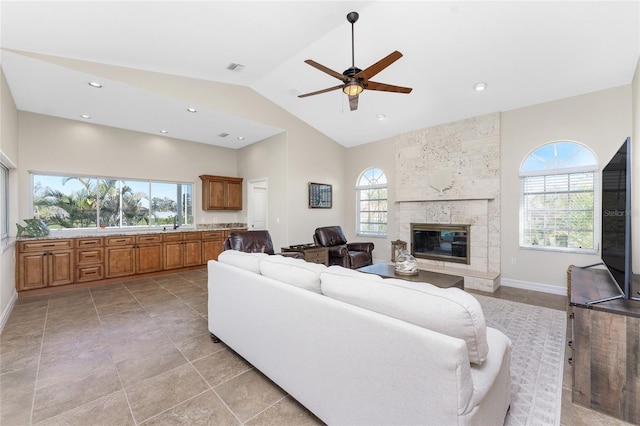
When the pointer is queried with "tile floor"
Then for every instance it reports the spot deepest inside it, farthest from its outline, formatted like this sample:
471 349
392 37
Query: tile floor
139 352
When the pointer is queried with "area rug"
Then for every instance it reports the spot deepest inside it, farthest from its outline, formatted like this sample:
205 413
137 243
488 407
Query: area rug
538 336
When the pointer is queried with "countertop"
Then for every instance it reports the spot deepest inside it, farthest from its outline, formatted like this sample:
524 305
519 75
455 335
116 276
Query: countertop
92 233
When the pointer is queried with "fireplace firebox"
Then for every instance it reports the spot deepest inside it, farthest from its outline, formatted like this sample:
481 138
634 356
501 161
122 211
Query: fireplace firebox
437 241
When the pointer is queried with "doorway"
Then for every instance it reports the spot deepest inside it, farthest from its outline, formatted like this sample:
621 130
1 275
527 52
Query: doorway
257 204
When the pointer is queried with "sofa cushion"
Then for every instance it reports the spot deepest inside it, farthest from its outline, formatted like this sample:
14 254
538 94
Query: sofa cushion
346 272
293 271
247 261
448 311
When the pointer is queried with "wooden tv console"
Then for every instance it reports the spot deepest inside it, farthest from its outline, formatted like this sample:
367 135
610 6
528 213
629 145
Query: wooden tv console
606 345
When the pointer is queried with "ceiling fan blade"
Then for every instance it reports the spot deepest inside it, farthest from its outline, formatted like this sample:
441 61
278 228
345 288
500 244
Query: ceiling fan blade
324 69
353 102
322 91
372 85
374 69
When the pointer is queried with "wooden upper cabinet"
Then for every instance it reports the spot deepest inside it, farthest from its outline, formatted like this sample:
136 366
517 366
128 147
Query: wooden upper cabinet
221 193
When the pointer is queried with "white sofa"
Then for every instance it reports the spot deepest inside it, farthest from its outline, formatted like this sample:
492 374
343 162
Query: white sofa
359 350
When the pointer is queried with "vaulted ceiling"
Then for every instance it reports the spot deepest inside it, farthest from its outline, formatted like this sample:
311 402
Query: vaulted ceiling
525 52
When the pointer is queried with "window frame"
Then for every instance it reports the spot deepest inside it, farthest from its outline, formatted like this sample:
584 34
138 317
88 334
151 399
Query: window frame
120 180
359 189
567 171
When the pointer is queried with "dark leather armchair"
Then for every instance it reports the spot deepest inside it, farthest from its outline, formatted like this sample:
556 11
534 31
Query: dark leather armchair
349 255
254 242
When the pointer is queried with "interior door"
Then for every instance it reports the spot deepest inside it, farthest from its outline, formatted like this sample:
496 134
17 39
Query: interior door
257 212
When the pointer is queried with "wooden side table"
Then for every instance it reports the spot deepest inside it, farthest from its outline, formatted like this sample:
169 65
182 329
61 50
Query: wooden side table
311 253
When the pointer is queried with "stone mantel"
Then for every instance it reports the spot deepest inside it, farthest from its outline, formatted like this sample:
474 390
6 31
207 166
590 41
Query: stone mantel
445 198
450 174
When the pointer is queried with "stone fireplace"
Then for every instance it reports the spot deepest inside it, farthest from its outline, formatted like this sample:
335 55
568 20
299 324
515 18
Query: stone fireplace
449 176
440 242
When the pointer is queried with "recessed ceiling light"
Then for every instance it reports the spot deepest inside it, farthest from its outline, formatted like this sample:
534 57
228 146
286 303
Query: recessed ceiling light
240 138
95 84
479 87
192 110
164 132
85 116
381 117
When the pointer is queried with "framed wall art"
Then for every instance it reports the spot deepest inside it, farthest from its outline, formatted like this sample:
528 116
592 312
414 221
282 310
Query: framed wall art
319 196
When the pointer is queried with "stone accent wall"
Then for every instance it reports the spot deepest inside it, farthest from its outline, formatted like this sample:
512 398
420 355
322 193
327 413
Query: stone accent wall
451 174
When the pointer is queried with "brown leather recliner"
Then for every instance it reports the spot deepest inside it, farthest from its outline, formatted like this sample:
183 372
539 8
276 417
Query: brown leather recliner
254 242
349 255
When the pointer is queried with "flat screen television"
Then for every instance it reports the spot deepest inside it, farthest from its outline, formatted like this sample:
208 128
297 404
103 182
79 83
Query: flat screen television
616 221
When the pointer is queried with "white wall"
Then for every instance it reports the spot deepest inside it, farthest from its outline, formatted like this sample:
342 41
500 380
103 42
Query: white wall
312 156
9 149
56 145
267 159
600 120
635 170
379 154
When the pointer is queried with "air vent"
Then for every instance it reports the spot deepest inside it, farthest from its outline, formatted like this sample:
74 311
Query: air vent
223 135
235 67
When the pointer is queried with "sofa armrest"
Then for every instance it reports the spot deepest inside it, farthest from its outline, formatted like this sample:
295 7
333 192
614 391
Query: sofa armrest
338 251
368 247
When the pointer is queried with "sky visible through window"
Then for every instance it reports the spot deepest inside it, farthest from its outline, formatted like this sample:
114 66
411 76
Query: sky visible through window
558 155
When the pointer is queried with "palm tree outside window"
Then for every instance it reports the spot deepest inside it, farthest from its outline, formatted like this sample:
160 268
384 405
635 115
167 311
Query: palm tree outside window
64 202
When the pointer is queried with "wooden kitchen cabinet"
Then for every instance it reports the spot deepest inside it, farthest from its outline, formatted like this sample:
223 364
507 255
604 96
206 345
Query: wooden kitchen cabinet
120 258
47 263
212 245
89 259
148 250
192 249
182 250
44 263
221 192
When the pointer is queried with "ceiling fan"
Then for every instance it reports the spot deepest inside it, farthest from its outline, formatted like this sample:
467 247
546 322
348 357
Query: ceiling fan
356 80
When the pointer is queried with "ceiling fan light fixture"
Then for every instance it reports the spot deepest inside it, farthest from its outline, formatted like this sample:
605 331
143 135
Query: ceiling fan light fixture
352 88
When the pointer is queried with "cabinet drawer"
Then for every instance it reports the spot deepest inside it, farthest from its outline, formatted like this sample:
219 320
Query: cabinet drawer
190 236
120 241
147 239
89 273
44 245
213 235
84 257
88 242
177 236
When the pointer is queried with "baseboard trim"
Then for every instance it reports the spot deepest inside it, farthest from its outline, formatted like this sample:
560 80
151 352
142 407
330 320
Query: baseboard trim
527 285
7 311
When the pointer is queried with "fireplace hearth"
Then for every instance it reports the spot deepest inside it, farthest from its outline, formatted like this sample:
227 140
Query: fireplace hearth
445 242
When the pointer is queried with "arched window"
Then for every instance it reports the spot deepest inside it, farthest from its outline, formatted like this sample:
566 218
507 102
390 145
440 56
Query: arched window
557 197
371 194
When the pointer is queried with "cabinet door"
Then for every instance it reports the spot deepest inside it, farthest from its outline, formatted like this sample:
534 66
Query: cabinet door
173 255
192 253
234 195
120 261
32 271
61 267
211 249
149 258
215 195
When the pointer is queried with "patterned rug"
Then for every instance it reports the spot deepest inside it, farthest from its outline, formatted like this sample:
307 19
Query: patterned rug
538 336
